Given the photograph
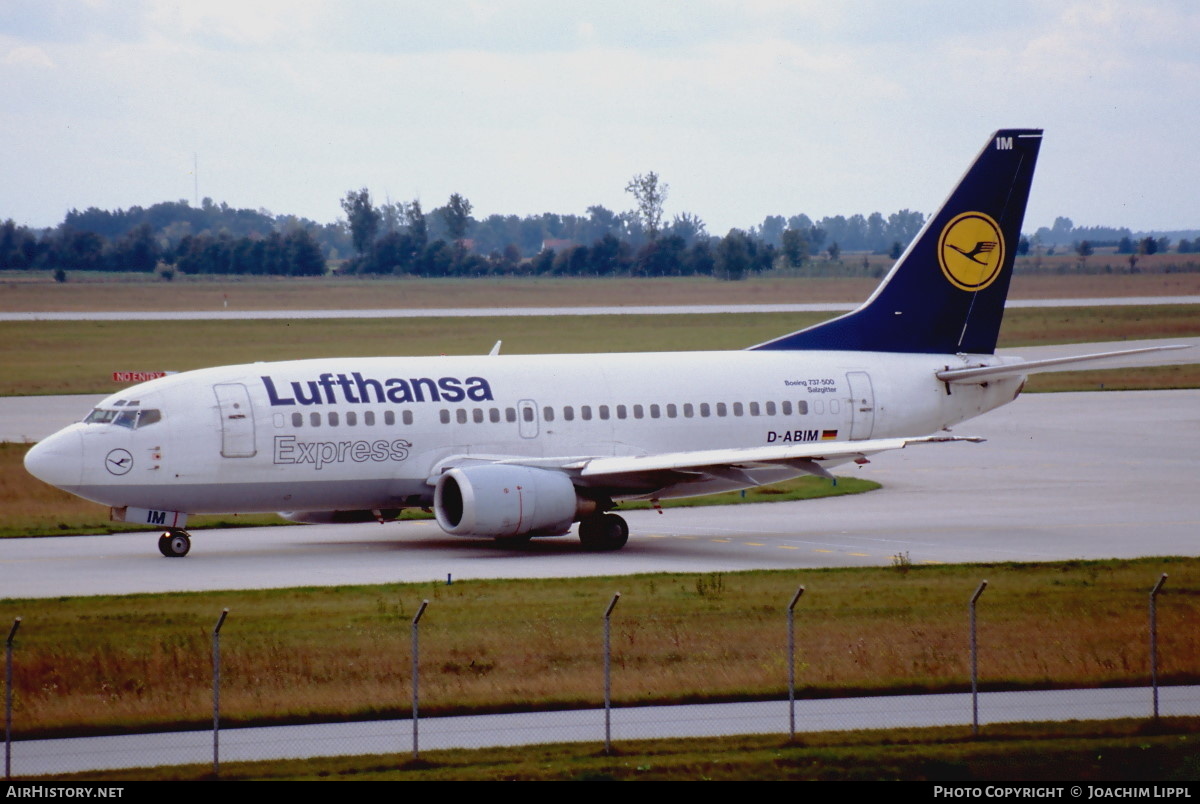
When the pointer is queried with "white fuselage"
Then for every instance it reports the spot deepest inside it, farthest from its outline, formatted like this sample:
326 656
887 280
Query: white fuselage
371 433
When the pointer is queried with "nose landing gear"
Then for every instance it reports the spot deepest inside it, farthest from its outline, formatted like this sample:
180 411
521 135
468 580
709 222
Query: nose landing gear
174 543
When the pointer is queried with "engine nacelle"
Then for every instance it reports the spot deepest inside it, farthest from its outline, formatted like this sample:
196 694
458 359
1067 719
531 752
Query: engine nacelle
501 500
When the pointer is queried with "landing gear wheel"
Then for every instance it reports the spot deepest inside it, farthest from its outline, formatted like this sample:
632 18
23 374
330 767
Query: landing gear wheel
174 543
603 532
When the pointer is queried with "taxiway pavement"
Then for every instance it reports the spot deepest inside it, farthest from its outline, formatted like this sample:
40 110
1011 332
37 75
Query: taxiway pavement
1061 476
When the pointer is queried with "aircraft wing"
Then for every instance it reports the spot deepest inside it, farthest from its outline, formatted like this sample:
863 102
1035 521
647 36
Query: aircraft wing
768 455
669 468
734 464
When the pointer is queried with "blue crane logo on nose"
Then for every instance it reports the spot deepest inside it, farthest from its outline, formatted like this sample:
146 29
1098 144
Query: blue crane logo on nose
118 461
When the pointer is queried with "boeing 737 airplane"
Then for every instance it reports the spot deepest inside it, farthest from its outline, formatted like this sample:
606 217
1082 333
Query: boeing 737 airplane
515 446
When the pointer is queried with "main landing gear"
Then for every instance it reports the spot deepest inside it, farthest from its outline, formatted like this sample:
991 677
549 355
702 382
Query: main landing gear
174 543
603 532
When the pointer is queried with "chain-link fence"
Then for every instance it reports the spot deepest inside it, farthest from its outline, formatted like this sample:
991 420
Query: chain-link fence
671 657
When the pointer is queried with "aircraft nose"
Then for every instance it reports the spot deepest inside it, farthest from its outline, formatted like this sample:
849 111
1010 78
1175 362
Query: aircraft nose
57 460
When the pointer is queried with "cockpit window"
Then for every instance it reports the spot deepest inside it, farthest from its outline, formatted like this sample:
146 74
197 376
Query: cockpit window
100 416
133 419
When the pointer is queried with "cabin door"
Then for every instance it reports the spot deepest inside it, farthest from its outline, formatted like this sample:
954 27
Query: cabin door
862 405
237 420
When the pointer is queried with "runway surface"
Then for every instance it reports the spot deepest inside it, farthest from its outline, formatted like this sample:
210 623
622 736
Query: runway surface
1062 476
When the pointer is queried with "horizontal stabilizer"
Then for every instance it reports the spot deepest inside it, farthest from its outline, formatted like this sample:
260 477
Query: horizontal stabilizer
979 374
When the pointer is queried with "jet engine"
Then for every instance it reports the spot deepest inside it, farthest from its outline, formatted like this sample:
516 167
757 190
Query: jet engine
504 501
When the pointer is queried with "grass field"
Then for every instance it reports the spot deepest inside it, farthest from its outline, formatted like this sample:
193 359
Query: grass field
37 292
141 662
71 357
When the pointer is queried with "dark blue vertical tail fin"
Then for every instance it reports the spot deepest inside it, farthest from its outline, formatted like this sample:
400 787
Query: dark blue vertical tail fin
946 293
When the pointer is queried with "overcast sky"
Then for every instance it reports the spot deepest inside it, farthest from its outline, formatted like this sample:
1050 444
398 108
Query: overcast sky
744 108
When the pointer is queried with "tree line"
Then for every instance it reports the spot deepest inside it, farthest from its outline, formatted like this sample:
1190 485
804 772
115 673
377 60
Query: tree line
401 238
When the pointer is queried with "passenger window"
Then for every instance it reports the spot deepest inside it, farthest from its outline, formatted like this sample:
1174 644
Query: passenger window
477 415
688 410
721 409
654 412
834 407
705 411
314 419
333 418
460 415
604 412
787 408
389 417
444 415
770 409
297 420
369 418
802 408
351 419
585 412
737 408
527 414
406 417
510 414
493 415
621 412
547 414
278 418
753 408
672 411
568 413
818 407
637 411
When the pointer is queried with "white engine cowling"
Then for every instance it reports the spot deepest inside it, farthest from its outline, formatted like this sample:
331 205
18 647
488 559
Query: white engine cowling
503 500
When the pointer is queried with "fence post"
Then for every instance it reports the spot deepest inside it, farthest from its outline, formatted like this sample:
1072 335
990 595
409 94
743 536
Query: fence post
216 660
791 636
975 664
416 676
608 673
1154 639
8 661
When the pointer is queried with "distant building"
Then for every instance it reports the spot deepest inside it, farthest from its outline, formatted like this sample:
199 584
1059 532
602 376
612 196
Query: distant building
557 244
